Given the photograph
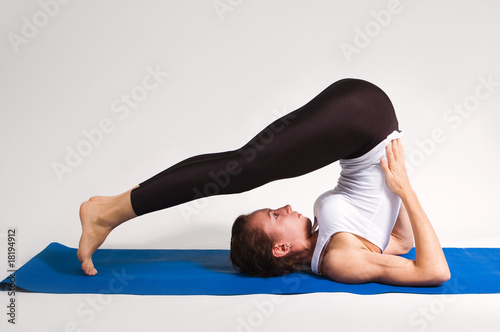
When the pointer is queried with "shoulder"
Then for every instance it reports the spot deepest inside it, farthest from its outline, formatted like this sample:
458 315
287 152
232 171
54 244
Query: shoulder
343 258
347 261
343 265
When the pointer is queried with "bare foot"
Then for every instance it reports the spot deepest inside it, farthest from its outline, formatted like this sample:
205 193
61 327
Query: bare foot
99 216
94 231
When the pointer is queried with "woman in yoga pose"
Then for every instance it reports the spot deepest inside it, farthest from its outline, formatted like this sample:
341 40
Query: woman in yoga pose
360 227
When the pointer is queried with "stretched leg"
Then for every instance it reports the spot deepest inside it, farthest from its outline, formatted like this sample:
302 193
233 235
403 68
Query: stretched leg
345 120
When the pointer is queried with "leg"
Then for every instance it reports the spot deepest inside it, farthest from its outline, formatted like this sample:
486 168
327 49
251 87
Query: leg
345 120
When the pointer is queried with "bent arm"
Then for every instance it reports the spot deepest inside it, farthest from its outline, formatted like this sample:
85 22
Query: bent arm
428 269
360 266
430 262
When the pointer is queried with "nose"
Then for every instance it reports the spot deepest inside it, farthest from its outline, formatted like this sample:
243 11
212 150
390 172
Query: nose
288 208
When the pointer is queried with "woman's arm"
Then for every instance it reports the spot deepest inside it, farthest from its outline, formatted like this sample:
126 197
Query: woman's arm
401 240
429 267
430 259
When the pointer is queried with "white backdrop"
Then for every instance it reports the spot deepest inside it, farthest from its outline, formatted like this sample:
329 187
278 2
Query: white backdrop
97 96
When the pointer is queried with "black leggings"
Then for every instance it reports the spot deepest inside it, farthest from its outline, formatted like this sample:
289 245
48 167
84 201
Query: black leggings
345 120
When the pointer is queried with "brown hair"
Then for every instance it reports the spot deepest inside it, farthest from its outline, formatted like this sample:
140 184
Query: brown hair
251 251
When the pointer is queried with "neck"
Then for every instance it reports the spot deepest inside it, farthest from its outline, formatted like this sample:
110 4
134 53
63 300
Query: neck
305 256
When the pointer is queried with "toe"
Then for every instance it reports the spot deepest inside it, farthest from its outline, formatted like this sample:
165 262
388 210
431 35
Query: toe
88 268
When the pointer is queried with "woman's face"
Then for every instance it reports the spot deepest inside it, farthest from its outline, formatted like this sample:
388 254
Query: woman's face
283 224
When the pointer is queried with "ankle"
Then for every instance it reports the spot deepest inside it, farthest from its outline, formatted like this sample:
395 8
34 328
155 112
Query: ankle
115 211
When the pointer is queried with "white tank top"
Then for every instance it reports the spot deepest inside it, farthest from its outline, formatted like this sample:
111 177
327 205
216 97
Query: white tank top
361 203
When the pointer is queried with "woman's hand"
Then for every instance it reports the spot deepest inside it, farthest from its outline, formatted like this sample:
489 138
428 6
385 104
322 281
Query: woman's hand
429 268
394 168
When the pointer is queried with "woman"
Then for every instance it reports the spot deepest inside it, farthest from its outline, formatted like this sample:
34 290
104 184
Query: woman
352 121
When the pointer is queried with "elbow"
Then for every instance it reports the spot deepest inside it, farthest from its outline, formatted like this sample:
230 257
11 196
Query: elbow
439 276
434 276
445 275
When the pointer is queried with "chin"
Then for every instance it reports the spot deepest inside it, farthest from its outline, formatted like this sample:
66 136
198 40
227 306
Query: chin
308 224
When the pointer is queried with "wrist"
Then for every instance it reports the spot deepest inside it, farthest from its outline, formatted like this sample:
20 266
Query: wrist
406 192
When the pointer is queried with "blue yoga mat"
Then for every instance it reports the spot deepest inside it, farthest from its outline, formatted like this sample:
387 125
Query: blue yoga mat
209 272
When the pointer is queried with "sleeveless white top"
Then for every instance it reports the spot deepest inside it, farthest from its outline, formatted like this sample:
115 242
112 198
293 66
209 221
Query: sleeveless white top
361 203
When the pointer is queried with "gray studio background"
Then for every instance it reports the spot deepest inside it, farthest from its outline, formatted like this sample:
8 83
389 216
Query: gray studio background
205 76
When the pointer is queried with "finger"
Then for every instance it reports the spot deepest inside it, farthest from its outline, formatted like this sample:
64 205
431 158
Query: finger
400 148
395 149
385 166
390 154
